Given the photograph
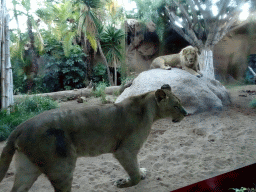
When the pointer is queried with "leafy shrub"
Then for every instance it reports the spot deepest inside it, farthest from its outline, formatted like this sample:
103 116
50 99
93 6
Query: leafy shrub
127 79
23 110
99 73
253 103
100 91
243 189
64 72
4 132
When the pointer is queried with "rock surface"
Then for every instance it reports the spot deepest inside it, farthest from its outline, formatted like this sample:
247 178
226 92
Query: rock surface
196 94
142 44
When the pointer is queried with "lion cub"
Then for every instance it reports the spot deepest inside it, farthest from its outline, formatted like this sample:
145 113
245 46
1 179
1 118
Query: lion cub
51 142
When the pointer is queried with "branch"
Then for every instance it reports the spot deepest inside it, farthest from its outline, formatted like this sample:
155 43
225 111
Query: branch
218 23
190 36
176 28
205 14
191 4
223 28
222 7
195 18
184 12
226 29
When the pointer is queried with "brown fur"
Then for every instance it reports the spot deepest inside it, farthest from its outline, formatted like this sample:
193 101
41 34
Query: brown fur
186 59
51 142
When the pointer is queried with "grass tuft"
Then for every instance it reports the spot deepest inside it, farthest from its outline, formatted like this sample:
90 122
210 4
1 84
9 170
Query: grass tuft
23 109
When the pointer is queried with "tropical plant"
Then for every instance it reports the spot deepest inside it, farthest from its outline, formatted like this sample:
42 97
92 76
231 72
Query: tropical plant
25 47
111 43
64 72
62 16
100 91
253 103
23 109
89 27
99 73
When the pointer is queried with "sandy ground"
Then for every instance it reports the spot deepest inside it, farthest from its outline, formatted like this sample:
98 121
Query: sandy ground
175 155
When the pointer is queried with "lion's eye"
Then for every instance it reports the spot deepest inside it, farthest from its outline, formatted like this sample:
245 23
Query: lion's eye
176 107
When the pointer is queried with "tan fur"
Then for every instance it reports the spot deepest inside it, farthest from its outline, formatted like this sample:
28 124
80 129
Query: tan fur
51 142
186 59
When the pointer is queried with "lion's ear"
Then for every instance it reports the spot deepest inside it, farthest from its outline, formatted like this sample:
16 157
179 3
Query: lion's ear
166 86
160 95
183 52
197 51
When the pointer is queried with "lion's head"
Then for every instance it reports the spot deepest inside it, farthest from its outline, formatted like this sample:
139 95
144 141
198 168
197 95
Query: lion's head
189 56
169 104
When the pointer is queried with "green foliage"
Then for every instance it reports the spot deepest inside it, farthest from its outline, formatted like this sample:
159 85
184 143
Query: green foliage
99 73
111 43
64 72
253 103
19 78
100 91
126 79
21 111
95 4
154 11
243 189
116 93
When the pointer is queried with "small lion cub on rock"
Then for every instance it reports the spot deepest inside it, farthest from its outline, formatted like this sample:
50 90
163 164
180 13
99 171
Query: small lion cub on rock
51 142
186 59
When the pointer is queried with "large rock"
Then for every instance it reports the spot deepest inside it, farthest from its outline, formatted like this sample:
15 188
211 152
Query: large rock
196 94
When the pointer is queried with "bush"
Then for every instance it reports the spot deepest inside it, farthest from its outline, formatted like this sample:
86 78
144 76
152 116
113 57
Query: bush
253 103
21 111
100 91
64 73
243 189
99 73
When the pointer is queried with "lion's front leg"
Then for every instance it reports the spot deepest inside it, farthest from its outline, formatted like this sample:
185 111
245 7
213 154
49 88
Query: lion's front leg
192 71
128 159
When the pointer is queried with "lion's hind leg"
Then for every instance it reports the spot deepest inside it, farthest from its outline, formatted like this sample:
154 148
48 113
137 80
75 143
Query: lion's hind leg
128 159
26 173
60 173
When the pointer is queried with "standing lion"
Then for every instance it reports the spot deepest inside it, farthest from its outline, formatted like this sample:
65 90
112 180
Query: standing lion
186 59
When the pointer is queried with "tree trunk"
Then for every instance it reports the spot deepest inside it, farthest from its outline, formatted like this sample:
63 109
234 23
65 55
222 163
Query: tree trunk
32 51
115 72
5 62
106 63
206 63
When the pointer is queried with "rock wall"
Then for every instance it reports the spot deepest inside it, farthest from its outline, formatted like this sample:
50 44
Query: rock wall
142 45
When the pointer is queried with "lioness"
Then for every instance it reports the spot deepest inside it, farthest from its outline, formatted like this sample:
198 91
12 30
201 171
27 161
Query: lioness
186 59
51 142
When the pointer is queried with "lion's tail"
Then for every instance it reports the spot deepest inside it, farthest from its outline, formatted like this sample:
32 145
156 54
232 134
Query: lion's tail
6 156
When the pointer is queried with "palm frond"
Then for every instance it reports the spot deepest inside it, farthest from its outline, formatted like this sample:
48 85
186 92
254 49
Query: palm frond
111 39
92 40
67 43
95 4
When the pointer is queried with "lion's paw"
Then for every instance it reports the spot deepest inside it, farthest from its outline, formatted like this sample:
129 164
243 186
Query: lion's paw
121 183
143 173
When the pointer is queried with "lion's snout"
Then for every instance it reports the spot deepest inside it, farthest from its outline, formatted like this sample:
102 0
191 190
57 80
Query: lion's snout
191 61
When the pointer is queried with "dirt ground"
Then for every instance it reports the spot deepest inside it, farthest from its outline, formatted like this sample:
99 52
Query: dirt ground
175 155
